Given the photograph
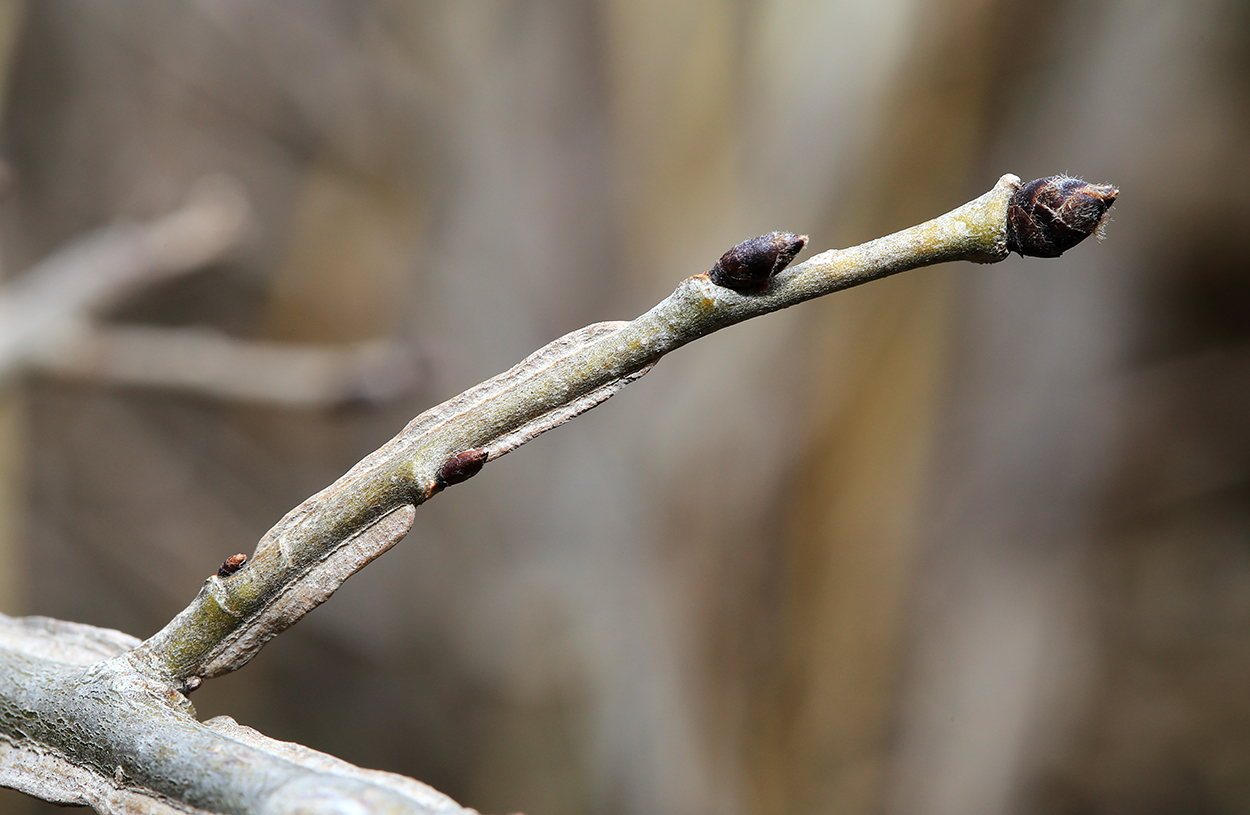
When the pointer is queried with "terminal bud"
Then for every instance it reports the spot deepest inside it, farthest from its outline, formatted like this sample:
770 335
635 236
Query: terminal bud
1049 216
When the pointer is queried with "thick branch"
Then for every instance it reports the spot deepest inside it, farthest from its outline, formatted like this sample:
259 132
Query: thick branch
79 728
310 552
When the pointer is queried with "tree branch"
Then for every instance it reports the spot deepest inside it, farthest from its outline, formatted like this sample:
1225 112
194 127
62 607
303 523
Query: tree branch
86 709
81 728
309 553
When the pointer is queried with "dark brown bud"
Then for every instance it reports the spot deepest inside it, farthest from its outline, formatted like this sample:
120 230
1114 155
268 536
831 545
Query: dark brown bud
751 264
461 467
1049 216
231 565
191 683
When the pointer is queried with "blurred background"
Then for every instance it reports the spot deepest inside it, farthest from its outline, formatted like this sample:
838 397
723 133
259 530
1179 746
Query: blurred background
968 540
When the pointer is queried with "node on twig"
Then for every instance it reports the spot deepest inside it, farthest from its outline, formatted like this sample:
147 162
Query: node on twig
460 468
751 264
231 565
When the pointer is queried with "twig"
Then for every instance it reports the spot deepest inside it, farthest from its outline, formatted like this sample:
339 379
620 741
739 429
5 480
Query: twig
76 701
310 552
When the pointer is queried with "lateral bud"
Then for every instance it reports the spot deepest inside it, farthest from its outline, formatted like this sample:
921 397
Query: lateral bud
231 565
751 264
460 467
1049 216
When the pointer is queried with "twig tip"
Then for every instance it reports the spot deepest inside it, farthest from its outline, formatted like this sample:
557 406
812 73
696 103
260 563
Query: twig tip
1048 216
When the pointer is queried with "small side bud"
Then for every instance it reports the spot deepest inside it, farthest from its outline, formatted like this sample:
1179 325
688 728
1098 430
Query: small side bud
461 467
191 683
1049 216
231 565
751 264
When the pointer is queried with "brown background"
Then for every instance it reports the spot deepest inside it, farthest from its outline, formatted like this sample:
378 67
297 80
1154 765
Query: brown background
970 540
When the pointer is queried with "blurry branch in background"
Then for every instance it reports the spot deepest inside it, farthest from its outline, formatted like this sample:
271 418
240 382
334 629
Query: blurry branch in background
77 697
50 319
47 310
205 361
